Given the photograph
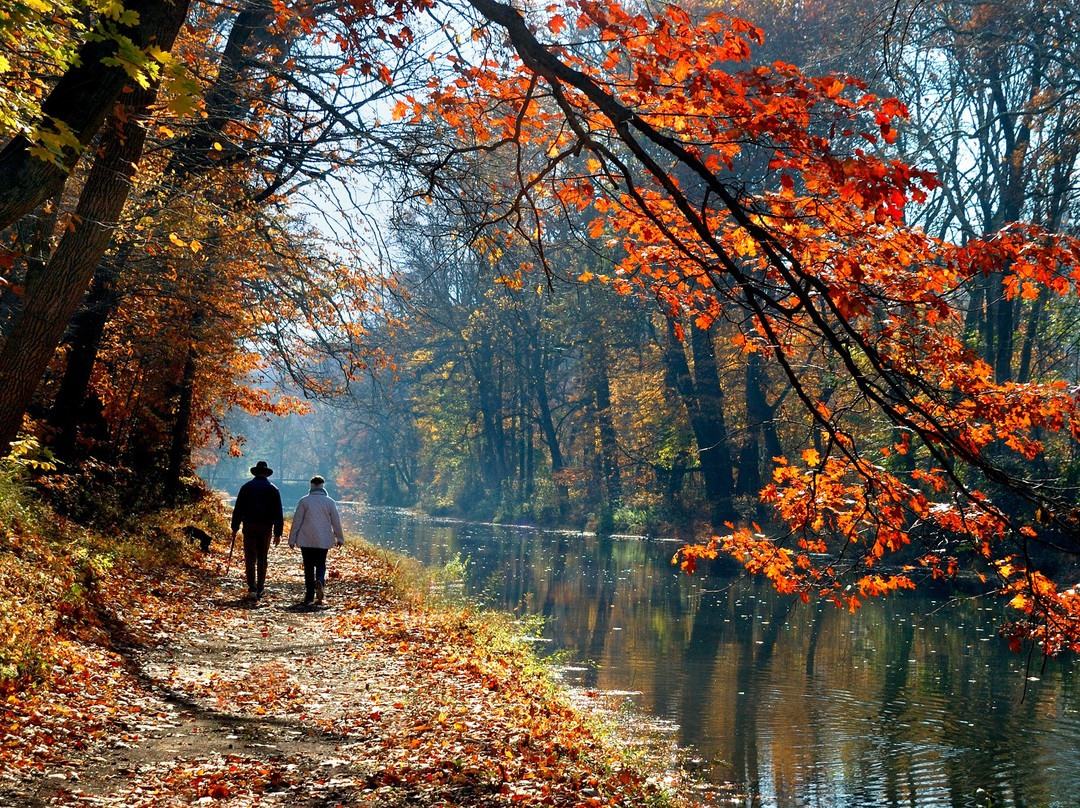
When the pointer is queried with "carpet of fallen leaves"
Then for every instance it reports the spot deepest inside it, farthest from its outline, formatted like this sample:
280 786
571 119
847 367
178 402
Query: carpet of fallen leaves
185 694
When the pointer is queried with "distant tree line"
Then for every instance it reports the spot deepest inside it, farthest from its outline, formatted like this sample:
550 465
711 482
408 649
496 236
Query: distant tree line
520 395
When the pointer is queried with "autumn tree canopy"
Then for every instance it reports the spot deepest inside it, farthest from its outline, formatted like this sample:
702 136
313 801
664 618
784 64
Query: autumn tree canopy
765 210
184 232
652 139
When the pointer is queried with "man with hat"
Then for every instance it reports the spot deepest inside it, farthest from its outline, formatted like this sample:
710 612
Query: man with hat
258 509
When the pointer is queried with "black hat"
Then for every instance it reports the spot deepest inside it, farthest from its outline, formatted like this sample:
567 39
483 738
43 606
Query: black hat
260 469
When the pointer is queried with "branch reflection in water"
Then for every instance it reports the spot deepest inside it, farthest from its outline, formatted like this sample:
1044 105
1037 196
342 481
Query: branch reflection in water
909 702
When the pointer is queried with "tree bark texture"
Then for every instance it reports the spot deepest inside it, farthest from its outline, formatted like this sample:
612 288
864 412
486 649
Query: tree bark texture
547 429
180 448
222 104
598 360
710 428
84 342
53 293
487 373
760 428
701 395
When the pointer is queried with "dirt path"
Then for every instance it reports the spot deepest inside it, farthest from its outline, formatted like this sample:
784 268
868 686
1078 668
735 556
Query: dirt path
374 700
243 685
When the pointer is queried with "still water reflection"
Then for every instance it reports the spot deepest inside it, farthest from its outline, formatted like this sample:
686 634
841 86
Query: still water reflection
909 702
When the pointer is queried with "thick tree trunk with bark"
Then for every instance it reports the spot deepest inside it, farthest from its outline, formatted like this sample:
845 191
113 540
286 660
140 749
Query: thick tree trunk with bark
1005 328
754 469
701 395
222 104
748 482
84 342
597 361
1016 133
492 450
53 292
180 447
1031 333
711 429
547 429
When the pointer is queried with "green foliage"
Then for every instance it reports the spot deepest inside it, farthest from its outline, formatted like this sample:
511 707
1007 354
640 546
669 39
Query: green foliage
52 139
27 454
21 651
106 497
453 572
37 38
114 10
630 519
40 40
445 585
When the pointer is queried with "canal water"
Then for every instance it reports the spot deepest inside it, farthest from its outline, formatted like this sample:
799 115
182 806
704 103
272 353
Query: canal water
913 701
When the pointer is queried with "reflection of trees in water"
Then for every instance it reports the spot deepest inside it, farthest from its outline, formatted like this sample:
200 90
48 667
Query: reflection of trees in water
724 631
752 676
602 599
899 781
509 581
815 633
898 705
558 573
998 752
699 661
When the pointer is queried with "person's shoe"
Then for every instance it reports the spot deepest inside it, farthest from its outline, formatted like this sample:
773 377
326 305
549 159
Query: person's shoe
258 595
319 591
251 595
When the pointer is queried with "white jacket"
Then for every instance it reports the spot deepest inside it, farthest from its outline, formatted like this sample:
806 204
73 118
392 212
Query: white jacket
316 522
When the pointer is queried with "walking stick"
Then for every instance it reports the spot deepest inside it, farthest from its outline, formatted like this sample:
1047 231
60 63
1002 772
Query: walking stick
231 546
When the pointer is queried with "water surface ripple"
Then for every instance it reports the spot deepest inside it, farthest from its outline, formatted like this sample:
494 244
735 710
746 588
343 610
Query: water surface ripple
910 702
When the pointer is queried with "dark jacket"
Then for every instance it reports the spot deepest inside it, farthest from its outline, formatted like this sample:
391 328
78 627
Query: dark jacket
259 503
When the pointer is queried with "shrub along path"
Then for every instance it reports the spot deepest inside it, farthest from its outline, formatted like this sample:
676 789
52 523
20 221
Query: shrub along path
376 700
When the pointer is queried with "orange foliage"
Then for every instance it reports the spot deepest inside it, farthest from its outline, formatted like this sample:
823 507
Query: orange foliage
818 258
217 269
644 128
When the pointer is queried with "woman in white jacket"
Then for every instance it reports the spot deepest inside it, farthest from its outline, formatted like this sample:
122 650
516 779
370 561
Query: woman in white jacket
316 527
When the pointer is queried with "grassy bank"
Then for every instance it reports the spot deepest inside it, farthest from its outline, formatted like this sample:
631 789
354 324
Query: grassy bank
64 582
122 651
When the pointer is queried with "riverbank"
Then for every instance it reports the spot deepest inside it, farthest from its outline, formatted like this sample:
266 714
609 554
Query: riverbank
174 691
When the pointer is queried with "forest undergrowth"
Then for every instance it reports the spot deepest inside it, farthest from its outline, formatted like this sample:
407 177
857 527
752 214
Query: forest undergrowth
132 673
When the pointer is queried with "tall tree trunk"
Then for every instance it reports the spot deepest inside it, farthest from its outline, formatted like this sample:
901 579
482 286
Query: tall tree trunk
706 415
222 104
82 99
547 429
711 430
54 292
1023 374
84 342
1005 328
492 456
989 322
597 361
973 317
526 460
1016 135
36 233
760 428
180 445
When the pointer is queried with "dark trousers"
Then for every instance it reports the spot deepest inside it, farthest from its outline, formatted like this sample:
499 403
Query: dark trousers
314 569
256 546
